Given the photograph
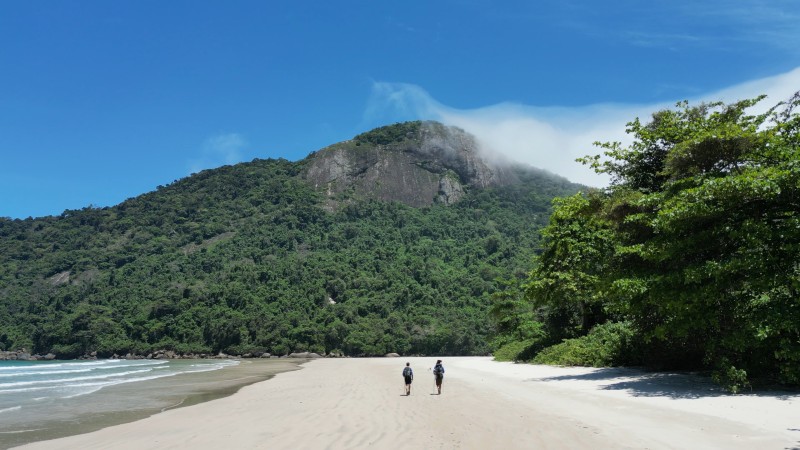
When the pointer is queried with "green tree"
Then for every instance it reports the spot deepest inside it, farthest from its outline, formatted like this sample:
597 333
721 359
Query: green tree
569 275
691 253
710 234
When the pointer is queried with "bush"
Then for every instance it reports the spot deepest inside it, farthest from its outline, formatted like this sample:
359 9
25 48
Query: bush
389 134
530 337
186 348
513 351
609 344
67 351
729 377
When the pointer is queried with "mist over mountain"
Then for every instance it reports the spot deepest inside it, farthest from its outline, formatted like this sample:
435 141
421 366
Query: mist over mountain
393 241
415 163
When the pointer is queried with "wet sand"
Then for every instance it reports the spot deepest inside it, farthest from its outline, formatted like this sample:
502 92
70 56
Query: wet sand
359 403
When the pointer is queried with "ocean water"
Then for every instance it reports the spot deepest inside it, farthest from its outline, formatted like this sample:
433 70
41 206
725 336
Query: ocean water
47 399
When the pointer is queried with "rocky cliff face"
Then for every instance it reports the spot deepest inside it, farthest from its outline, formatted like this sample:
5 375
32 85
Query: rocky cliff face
416 163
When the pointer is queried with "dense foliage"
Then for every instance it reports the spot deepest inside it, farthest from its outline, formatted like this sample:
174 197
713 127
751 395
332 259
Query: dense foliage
244 259
389 134
695 246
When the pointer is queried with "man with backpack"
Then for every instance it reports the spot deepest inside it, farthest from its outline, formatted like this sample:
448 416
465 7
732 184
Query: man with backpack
408 375
438 374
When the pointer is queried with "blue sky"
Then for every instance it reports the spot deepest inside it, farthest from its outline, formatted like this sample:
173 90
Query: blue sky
101 101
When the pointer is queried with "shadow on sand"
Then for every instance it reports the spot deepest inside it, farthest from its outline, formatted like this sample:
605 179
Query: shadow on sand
676 385
796 447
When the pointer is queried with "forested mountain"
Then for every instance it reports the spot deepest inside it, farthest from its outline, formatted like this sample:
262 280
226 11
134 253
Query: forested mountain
329 254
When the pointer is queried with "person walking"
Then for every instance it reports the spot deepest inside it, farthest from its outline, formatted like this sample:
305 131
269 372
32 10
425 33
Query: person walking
438 374
408 375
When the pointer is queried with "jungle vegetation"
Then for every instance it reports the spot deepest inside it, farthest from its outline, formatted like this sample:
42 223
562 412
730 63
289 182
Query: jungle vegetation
245 259
690 259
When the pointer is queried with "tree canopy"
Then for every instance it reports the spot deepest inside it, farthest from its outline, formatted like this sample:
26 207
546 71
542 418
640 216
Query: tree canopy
694 246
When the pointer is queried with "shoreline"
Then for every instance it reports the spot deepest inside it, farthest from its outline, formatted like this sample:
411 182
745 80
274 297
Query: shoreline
164 394
359 403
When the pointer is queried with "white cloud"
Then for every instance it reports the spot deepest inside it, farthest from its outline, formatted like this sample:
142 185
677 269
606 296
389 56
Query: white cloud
772 23
220 150
777 88
228 147
552 137
719 25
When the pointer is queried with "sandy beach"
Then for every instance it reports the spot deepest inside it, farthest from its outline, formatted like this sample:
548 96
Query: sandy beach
359 403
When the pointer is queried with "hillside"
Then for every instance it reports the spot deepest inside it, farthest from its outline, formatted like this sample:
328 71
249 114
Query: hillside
277 256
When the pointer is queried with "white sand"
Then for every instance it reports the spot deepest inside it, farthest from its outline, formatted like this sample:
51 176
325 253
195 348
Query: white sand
358 403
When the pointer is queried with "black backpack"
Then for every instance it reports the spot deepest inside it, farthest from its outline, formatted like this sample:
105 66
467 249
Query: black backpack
407 372
437 370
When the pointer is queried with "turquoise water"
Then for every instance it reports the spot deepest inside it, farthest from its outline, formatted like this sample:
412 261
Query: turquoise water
46 399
